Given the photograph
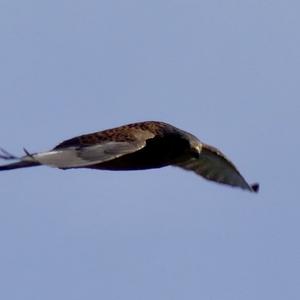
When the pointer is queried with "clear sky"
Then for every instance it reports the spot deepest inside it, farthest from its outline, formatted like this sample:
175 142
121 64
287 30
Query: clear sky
227 71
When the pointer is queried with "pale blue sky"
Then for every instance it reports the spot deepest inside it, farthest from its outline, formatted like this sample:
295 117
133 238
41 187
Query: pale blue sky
227 71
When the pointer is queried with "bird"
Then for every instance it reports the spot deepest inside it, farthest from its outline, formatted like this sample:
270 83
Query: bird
136 146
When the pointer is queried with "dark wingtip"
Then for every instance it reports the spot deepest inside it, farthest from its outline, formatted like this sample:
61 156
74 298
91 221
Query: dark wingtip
255 187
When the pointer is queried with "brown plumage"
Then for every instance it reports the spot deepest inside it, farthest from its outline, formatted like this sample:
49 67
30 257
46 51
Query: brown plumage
137 146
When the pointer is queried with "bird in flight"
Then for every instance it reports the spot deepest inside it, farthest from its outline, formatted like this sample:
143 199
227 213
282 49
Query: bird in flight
137 146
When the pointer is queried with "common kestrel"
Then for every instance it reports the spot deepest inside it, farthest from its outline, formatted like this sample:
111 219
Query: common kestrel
137 146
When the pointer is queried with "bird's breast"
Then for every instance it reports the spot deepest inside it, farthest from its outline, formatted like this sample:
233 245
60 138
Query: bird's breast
158 152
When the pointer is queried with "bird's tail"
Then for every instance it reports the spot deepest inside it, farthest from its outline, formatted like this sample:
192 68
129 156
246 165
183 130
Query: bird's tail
16 165
19 164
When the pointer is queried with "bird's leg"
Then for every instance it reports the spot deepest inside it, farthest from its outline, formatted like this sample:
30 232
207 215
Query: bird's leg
6 155
27 153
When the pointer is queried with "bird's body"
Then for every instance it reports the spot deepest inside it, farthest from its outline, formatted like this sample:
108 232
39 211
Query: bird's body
137 146
162 145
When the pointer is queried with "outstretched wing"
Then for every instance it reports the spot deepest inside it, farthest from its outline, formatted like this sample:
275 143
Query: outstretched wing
214 166
87 150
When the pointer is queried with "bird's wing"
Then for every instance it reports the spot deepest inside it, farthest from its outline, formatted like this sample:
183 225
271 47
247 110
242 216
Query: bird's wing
92 149
214 166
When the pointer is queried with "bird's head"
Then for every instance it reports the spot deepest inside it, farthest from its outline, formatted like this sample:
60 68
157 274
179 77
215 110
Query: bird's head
195 146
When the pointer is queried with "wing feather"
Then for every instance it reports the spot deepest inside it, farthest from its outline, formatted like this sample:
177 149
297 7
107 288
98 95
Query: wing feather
75 157
94 148
213 165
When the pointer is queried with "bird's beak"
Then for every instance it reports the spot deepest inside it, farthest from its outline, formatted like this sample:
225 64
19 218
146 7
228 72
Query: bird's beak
196 153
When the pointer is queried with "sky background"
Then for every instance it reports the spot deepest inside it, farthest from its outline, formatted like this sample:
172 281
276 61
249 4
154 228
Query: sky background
227 71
